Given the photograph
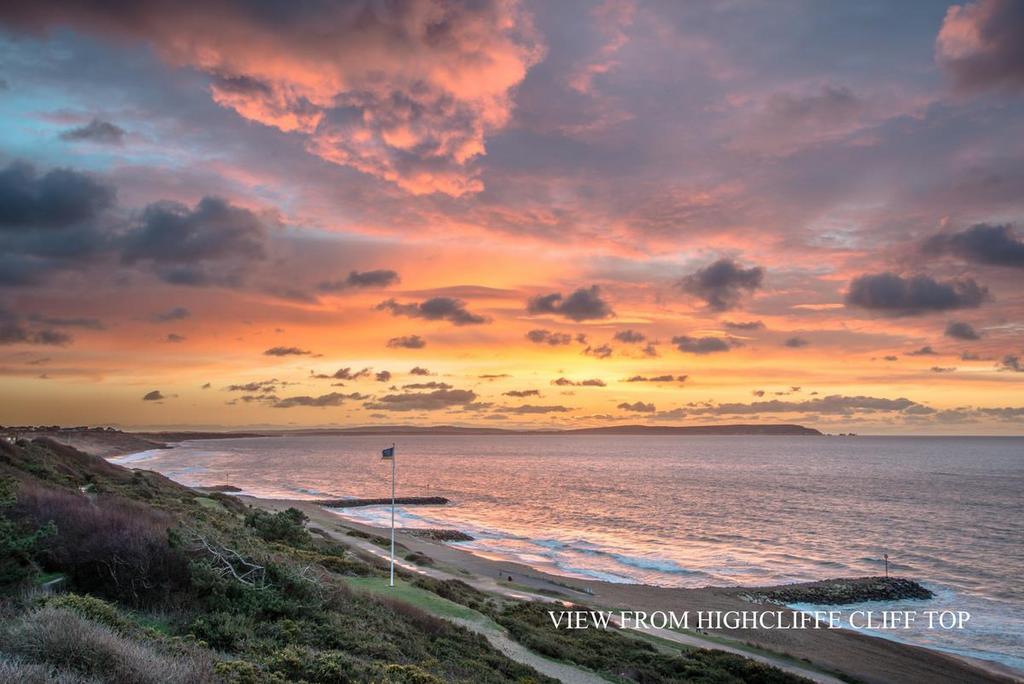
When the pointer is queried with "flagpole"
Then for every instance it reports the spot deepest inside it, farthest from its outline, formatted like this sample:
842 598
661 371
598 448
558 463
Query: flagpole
392 515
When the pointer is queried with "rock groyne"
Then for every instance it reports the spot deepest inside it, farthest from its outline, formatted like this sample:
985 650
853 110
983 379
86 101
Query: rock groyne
838 592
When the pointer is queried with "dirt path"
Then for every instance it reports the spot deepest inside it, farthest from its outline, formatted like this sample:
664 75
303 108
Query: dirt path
563 672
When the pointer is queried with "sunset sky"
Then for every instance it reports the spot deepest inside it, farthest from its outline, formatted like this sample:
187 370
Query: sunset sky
513 214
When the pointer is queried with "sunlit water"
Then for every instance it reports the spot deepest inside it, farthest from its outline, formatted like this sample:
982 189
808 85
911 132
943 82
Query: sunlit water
687 511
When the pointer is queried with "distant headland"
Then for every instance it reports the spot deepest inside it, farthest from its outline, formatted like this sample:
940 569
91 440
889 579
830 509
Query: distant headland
108 441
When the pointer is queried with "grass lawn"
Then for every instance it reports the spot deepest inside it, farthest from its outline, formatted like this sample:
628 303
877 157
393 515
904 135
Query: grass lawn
424 600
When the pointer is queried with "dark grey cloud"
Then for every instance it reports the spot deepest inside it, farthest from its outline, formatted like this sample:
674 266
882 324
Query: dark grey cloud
637 407
941 369
1011 363
70 322
795 342
566 382
979 45
177 313
436 309
382 376
286 351
602 352
582 305
722 284
521 393
180 240
13 331
658 378
423 401
701 345
155 395
433 384
96 131
961 331
533 408
419 370
923 351
548 337
983 243
630 336
894 295
260 386
175 338
407 342
743 325
361 280
49 222
60 198
332 399
349 374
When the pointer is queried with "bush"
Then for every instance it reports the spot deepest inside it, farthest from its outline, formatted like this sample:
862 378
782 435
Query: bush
287 527
406 674
93 609
329 667
62 639
244 672
18 546
110 546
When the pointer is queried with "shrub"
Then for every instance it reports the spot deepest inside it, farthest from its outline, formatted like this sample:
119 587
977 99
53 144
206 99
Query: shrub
67 641
111 546
296 663
17 545
406 674
244 672
287 527
92 608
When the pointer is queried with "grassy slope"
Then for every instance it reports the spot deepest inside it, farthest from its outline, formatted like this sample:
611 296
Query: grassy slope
205 589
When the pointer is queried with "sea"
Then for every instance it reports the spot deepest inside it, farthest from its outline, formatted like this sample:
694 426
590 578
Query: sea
687 511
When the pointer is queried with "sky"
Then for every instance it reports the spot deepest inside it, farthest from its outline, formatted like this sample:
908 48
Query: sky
513 214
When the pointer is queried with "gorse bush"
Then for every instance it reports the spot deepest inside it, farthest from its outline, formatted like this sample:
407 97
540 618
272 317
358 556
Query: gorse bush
18 545
108 545
287 527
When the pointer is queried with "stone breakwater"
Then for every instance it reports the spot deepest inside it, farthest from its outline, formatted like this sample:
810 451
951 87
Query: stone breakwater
838 592
441 535
401 500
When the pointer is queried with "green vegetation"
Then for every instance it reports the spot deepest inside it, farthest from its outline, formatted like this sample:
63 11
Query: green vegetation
171 585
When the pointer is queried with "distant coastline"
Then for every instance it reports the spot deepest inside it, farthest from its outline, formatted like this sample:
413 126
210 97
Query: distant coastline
110 442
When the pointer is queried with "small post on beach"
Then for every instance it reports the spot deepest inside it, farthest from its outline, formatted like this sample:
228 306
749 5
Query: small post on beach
389 455
885 557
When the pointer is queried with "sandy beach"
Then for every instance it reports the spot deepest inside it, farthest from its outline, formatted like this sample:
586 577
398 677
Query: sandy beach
825 655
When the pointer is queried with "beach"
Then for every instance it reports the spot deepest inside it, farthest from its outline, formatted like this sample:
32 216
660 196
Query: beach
810 652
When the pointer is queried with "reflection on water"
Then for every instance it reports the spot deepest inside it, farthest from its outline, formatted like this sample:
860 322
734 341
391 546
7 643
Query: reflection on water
685 511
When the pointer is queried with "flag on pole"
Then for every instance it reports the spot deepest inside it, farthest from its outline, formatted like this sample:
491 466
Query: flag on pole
388 453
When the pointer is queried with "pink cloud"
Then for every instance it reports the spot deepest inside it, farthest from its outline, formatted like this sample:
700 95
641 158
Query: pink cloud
404 92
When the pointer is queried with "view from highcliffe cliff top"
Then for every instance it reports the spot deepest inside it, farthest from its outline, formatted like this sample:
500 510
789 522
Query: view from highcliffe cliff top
519 214
389 341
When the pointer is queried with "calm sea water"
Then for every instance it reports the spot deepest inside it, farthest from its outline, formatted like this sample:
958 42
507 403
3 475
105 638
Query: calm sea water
688 511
